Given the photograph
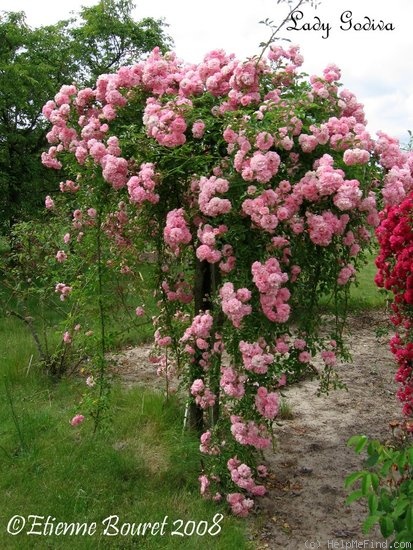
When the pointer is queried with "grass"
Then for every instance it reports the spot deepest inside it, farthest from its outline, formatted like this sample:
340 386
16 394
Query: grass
365 294
144 470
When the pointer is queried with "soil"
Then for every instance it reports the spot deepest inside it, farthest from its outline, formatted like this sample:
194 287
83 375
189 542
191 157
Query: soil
305 504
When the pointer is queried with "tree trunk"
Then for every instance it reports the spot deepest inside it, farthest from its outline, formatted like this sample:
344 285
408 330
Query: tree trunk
202 296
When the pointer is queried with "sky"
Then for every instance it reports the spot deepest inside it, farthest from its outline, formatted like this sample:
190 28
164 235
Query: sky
375 64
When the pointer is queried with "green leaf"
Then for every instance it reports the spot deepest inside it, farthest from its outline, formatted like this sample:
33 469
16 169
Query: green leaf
358 442
370 522
352 478
375 481
355 495
373 503
400 507
409 519
385 502
384 471
386 526
366 484
373 458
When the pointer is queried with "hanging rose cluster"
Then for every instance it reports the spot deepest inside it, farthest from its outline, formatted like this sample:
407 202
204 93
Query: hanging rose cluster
395 260
254 180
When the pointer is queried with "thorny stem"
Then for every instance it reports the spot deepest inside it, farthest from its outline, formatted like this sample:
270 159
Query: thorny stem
14 415
101 356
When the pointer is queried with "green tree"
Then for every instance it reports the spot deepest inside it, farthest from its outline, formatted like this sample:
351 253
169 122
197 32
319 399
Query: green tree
34 63
108 38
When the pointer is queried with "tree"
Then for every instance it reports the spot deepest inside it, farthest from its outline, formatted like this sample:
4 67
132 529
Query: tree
34 63
108 38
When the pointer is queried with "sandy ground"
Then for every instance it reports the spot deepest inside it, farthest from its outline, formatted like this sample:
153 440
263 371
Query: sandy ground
305 505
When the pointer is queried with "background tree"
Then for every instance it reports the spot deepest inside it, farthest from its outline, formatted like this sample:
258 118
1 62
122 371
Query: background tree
34 63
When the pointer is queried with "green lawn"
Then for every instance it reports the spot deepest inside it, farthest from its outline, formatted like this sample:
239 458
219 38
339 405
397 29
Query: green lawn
366 295
143 471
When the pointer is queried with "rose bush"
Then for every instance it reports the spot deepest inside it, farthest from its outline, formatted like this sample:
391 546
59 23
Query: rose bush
395 264
258 188
386 483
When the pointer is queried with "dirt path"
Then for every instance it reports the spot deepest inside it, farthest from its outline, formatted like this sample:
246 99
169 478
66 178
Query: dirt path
305 505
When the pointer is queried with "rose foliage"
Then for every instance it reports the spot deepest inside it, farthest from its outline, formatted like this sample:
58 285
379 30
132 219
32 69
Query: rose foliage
258 190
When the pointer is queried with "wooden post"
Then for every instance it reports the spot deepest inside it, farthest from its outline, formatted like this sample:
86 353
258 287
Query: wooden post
202 297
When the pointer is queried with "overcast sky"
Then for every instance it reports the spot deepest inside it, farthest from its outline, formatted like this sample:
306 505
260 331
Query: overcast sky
376 64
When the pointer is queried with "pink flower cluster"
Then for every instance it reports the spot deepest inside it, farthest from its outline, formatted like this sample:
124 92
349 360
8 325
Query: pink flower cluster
140 311
142 186
197 336
346 273
115 170
325 87
49 202
326 181
176 231
292 54
342 134
356 156
232 383
204 397
348 196
161 340
93 130
166 123
254 356
77 419
240 505
260 167
207 236
261 210
206 447
116 226
229 261
329 358
212 74
198 129
64 290
269 279
249 433
69 186
323 227
267 403
61 256
233 303
49 159
182 291
241 475
209 204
